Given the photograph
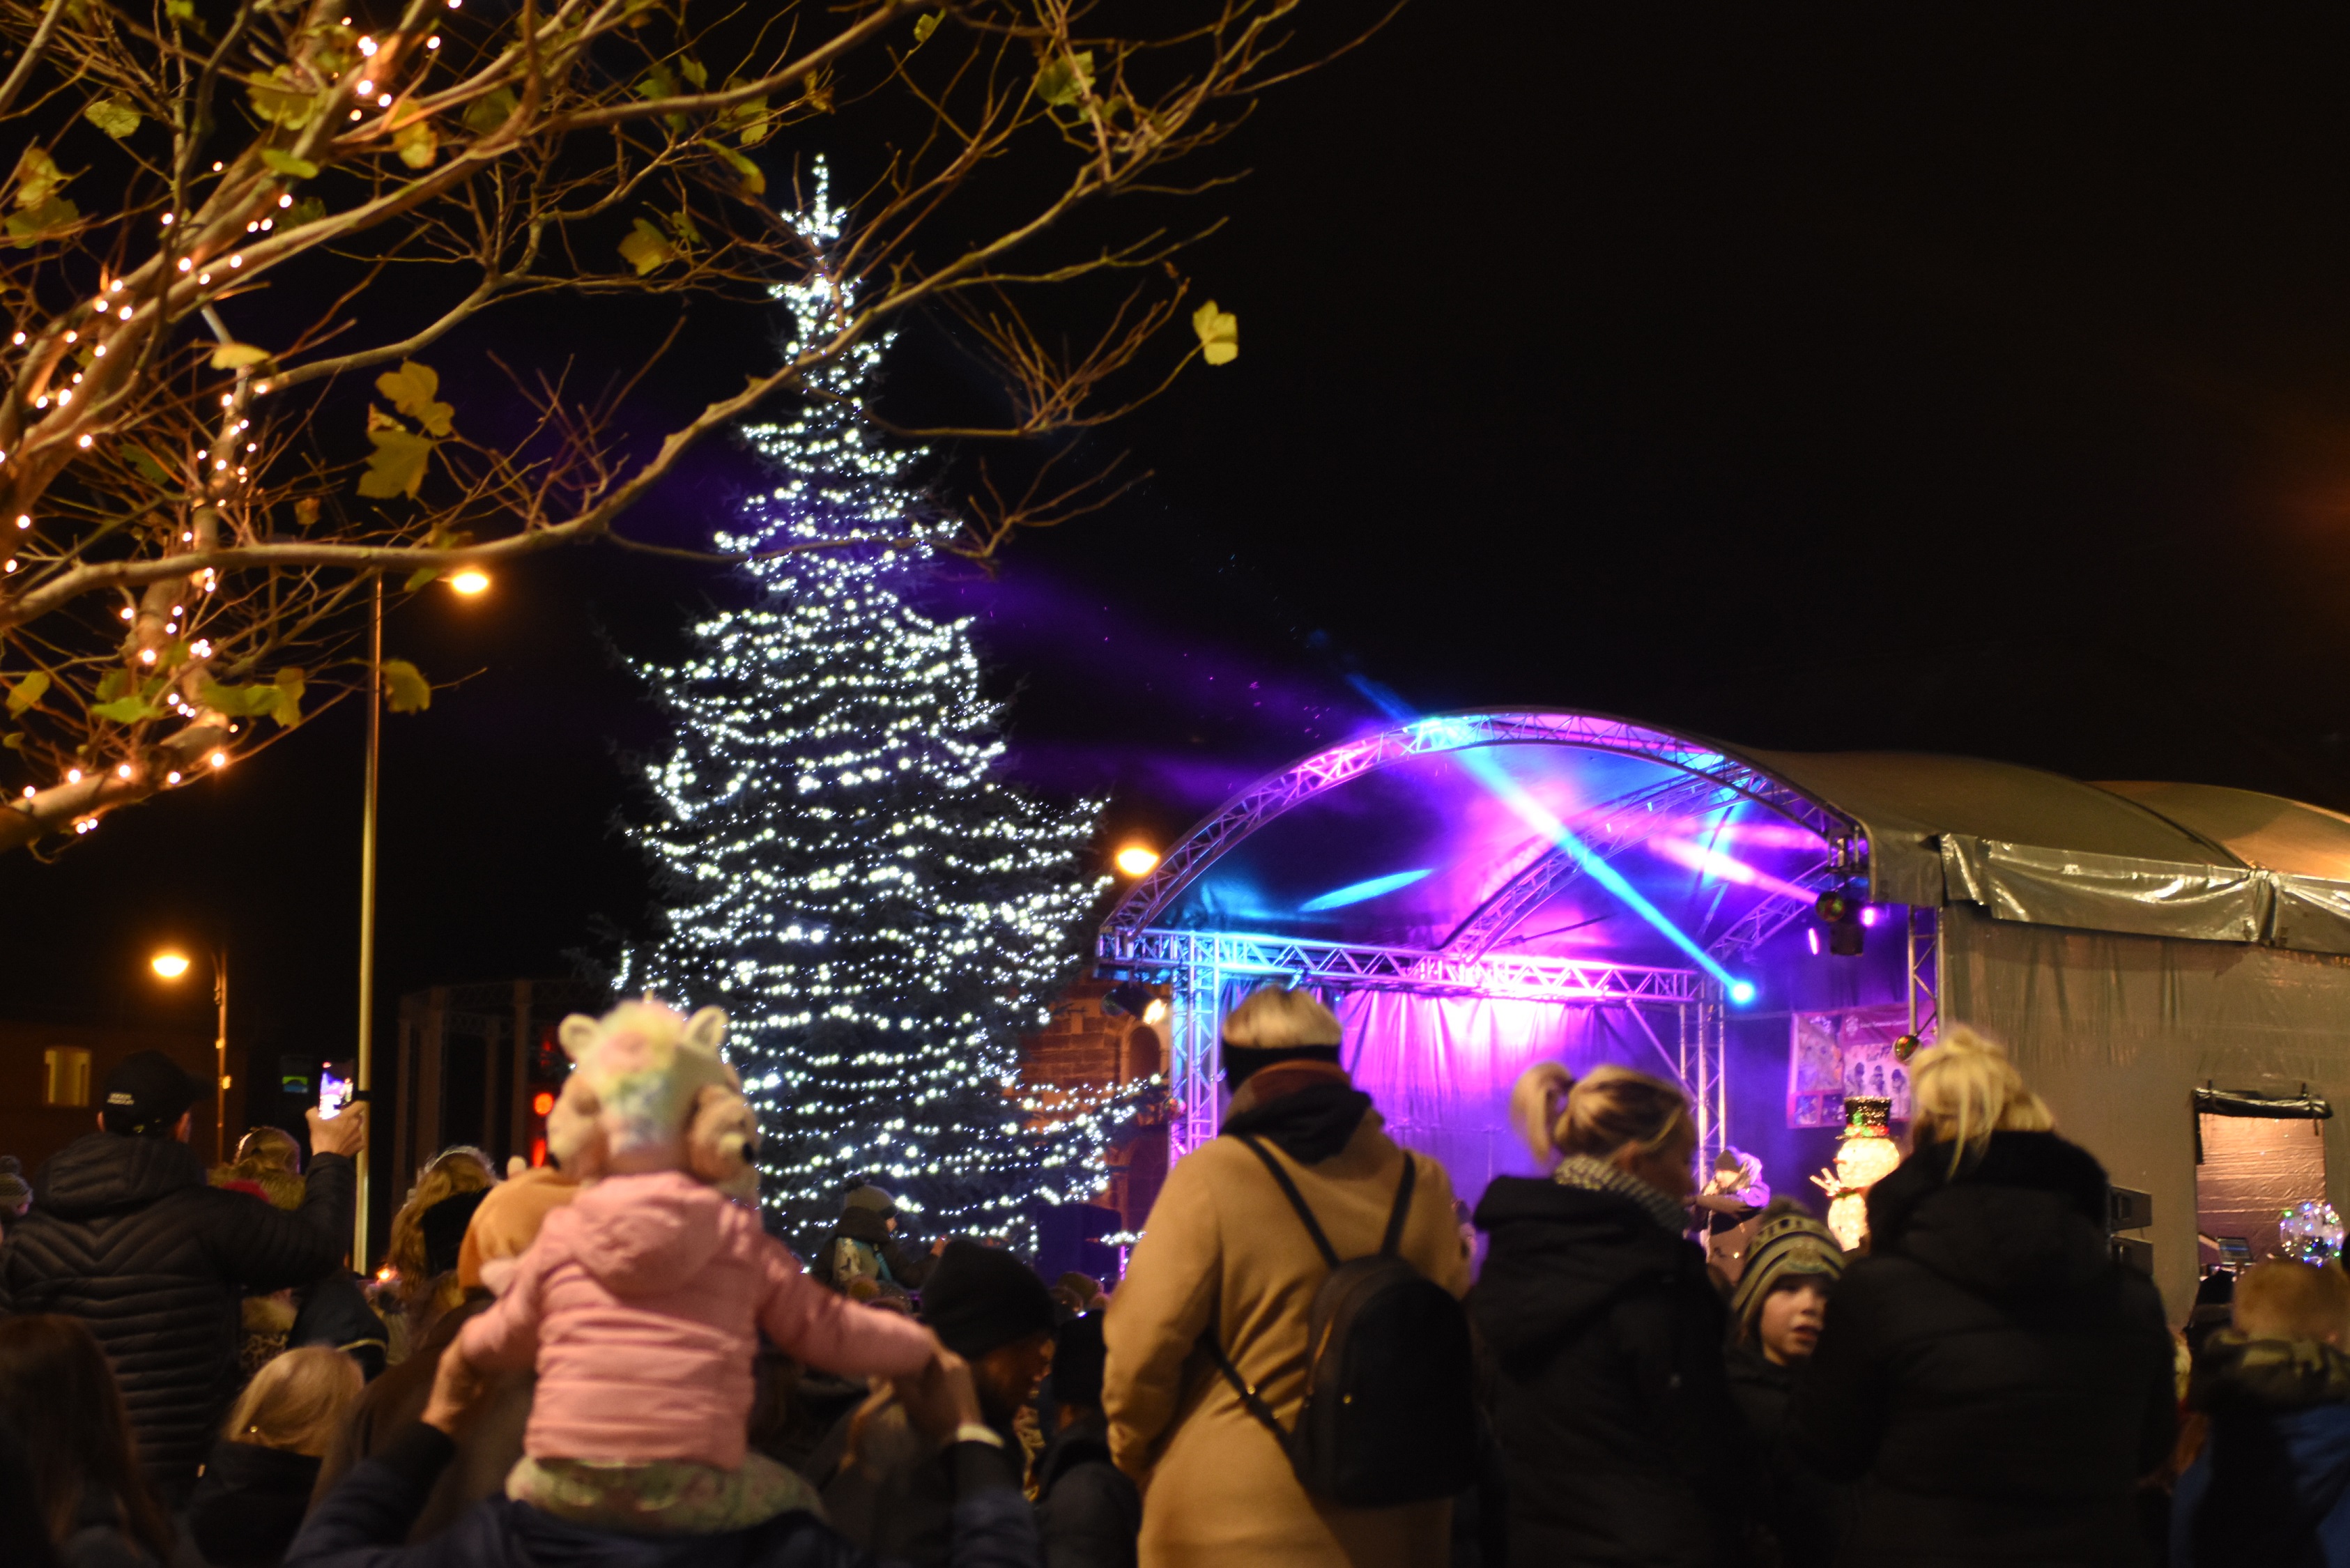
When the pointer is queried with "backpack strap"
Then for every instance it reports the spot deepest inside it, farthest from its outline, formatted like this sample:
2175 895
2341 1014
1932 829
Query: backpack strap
1250 1400
1402 1209
1297 1198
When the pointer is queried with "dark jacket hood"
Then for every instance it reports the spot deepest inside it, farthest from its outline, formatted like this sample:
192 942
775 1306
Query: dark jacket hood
1561 1254
100 1173
2025 1219
1083 1441
1309 1124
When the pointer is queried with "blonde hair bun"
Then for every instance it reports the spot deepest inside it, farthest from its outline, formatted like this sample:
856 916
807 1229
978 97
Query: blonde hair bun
1558 1114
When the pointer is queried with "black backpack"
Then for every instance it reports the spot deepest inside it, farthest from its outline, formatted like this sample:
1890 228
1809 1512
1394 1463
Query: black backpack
1390 1413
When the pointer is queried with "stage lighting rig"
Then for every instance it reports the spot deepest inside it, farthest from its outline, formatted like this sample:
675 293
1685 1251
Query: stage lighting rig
1133 999
1841 913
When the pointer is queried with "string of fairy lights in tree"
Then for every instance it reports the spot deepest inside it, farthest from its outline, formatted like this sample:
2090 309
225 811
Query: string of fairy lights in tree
877 913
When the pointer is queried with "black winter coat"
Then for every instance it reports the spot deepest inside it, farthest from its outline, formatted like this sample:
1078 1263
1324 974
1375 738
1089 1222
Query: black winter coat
125 1236
1088 1511
1995 1381
247 1508
1618 1438
1798 1519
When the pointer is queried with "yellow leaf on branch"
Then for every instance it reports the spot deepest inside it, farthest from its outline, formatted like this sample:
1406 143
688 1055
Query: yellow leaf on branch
412 388
405 689
1219 334
397 465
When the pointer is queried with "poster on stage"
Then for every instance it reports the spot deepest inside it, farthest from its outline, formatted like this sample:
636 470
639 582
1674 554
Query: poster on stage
1847 1053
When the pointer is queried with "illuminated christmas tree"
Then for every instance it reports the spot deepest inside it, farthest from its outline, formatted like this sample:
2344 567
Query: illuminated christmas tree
879 915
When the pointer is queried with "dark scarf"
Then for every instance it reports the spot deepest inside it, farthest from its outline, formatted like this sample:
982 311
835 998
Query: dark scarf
1306 1109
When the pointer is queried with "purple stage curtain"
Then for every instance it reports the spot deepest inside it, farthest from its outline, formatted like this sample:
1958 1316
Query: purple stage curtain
1440 1067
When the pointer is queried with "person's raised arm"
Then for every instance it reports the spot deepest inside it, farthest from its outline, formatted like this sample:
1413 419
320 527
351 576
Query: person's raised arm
826 1329
261 1249
504 1338
1157 1315
993 1525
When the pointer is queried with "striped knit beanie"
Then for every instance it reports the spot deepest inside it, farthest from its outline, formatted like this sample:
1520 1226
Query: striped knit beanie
1788 1242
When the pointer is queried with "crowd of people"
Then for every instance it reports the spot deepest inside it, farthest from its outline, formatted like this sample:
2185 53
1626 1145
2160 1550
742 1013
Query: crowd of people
608 1361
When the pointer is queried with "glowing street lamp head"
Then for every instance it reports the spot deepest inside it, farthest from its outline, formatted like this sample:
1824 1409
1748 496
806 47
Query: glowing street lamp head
1135 860
471 580
168 965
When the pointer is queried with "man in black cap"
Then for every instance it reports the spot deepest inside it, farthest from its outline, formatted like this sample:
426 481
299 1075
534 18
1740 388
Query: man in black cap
894 1494
126 1234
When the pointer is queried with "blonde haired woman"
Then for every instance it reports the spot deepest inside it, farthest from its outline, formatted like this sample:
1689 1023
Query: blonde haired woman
1609 1401
1995 1381
246 1509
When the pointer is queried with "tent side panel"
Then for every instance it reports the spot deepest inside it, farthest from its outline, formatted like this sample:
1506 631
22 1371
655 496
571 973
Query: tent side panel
2114 1031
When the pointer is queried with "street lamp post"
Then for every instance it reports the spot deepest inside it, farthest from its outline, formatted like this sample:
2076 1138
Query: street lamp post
172 965
360 1255
467 582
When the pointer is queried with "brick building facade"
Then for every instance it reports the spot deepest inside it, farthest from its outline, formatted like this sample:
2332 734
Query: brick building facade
1088 1049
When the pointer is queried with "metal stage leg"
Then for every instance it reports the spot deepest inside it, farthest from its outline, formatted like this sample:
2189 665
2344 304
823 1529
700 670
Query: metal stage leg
1199 982
1925 987
1703 1073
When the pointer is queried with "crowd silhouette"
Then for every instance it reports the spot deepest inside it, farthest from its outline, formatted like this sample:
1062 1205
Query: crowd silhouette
608 1361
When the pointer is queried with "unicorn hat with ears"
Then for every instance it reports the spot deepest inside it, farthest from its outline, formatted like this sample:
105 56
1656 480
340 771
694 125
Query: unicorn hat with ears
649 1092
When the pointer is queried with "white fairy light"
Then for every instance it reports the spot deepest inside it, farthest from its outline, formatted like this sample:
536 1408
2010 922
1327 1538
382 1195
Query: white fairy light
879 914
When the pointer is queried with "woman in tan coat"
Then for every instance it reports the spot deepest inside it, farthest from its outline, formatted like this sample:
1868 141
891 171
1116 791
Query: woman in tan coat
1226 1254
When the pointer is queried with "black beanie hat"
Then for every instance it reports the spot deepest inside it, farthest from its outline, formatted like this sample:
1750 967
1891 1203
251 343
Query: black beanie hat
444 1225
147 1094
979 1298
1078 1357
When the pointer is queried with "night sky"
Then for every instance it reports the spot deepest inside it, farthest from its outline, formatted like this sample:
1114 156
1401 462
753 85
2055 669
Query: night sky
1971 380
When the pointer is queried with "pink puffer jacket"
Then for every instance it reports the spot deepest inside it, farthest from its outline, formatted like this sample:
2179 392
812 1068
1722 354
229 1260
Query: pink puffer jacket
640 1302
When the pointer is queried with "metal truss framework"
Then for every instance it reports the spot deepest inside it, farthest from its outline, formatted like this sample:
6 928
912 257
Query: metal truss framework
1925 987
1553 869
1197 964
1443 733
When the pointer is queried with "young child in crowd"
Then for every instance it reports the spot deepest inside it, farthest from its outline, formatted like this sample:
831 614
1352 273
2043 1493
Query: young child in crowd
640 1302
257 1485
2271 1486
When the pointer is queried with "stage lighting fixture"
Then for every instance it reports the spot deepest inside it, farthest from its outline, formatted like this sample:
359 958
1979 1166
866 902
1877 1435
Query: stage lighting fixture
1131 1000
1841 913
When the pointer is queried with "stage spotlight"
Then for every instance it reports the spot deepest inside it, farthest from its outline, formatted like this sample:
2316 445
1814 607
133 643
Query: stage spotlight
1842 914
1131 1000
1135 860
1741 991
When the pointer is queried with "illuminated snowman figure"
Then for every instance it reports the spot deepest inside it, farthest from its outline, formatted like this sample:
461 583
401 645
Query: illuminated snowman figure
1866 1157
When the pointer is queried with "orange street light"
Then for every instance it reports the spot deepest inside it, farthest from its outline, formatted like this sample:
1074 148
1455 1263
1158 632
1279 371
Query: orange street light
172 964
1135 860
470 581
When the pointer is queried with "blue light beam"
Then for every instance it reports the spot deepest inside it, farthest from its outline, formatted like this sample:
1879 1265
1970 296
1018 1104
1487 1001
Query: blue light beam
1481 762
1360 892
